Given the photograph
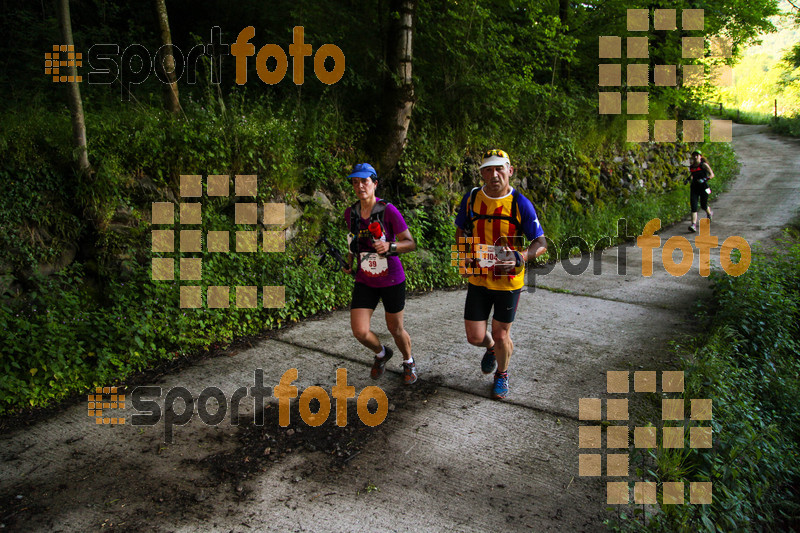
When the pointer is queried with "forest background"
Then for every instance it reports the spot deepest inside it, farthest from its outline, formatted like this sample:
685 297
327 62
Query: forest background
426 88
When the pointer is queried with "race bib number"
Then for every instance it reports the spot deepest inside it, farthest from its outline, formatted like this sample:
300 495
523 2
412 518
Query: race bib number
486 255
374 265
490 256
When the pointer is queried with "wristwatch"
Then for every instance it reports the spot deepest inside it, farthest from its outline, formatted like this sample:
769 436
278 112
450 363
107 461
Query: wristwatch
392 248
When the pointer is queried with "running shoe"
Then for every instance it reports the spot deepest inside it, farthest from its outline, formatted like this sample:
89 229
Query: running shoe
500 388
710 214
409 373
488 363
379 365
692 228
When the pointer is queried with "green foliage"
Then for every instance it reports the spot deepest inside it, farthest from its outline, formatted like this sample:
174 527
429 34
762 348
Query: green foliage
489 62
429 266
35 223
748 366
487 74
787 126
597 222
767 75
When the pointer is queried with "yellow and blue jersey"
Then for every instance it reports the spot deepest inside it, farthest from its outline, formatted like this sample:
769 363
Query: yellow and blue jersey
499 232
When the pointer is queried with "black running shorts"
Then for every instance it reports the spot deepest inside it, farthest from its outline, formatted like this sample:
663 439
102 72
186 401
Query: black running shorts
366 297
698 193
480 301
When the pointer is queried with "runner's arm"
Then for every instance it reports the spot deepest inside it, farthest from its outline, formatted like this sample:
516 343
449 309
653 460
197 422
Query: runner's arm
537 247
708 170
349 259
404 243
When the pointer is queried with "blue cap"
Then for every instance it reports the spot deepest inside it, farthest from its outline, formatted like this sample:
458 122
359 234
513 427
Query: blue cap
363 171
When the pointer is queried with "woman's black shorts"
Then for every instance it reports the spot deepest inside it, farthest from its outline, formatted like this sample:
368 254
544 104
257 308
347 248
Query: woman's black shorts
698 192
365 297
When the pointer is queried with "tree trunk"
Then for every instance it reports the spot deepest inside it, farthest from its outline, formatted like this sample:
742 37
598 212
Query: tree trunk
563 12
74 99
166 63
399 87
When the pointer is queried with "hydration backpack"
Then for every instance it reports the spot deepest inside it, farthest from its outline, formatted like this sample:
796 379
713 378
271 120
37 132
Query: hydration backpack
472 215
378 211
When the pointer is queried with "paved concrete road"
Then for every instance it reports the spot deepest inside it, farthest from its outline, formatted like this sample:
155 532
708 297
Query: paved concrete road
447 458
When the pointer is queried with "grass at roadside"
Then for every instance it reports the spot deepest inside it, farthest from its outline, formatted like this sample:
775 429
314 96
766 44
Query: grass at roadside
783 125
748 365
600 223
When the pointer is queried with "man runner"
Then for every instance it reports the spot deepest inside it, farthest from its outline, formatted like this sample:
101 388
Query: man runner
493 218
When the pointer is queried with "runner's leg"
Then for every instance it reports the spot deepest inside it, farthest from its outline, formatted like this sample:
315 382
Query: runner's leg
503 347
477 308
477 334
359 323
394 322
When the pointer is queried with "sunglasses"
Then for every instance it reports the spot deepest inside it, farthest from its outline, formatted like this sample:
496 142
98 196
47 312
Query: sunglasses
498 153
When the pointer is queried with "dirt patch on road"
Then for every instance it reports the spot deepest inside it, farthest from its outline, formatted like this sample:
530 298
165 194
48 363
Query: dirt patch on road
259 446
176 484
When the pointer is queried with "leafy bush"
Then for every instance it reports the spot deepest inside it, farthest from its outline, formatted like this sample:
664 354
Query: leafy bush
108 315
748 365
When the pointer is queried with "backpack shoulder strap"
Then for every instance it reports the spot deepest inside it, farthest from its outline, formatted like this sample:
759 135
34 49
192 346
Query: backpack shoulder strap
470 213
355 222
378 212
515 210
472 195
513 217
355 215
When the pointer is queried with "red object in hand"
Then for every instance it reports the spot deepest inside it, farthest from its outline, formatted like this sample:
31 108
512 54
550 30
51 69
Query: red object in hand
375 229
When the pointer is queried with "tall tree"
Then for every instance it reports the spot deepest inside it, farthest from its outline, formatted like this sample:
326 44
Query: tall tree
166 60
563 12
398 95
74 95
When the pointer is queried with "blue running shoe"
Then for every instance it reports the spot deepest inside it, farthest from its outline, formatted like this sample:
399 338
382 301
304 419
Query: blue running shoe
488 363
500 389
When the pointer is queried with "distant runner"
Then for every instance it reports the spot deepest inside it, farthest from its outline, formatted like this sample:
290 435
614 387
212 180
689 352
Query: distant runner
378 234
700 174
496 216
